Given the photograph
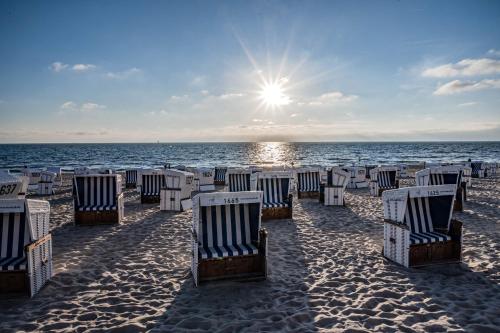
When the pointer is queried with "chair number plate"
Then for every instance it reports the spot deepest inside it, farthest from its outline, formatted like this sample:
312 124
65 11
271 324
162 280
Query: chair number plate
231 201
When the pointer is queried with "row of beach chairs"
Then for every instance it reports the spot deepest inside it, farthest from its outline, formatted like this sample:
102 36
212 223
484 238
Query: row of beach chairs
228 240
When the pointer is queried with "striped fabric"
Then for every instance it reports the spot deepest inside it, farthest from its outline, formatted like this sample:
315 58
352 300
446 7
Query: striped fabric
131 176
14 236
95 193
227 231
275 192
308 181
239 182
152 184
220 174
386 179
444 178
418 217
476 167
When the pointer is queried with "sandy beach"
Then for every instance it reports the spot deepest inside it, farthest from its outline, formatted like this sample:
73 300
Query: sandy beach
326 273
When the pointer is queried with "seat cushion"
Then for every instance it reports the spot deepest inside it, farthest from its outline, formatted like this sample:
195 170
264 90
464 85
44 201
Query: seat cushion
275 204
97 208
428 237
227 251
13 264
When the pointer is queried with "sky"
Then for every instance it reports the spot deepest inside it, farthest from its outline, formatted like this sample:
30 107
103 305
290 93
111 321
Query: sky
182 71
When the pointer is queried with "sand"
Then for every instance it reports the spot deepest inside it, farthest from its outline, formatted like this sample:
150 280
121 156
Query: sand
326 273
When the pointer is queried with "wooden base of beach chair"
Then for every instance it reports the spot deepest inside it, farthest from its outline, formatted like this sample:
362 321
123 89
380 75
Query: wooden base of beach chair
97 218
440 252
130 185
14 282
308 195
277 213
150 199
249 267
458 205
219 182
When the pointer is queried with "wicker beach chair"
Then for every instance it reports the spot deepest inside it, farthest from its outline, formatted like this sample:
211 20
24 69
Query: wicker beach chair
308 182
418 229
277 199
176 195
358 176
25 241
131 178
332 191
46 184
203 179
383 178
227 239
97 199
152 181
238 180
220 175
449 174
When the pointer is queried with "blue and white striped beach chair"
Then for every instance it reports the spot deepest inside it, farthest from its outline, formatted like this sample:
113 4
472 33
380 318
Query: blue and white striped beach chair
97 199
131 178
308 182
451 175
227 239
151 184
418 229
383 178
277 199
238 180
25 241
220 176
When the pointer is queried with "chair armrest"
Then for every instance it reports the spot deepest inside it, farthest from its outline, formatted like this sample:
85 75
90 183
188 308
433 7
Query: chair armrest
31 247
396 224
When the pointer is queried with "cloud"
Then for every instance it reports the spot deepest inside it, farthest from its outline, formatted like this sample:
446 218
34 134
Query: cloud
198 80
80 68
457 86
293 115
204 92
466 67
176 98
467 104
493 52
123 74
57 66
85 107
331 98
231 95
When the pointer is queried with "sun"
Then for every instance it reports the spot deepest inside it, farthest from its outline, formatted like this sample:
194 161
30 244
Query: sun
272 94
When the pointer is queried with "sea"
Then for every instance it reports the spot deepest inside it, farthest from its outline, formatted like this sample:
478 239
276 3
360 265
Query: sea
131 155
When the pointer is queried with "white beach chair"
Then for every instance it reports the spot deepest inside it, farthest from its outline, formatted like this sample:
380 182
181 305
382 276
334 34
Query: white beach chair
176 195
97 199
383 178
449 174
418 229
25 241
332 192
358 176
308 182
203 179
220 175
239 180
152 181
277 199
46 183
59 178
227 239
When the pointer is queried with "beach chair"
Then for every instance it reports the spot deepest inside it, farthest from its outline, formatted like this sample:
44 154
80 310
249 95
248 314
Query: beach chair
46 183
227 239
203 179
443 175
220 175
58 180
490 169
402 171
368 168
176 195
418 229
131 178
152 181
332 191
277 199
25 241
308 182
383 178
477 169
97 199
238 180
358 176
